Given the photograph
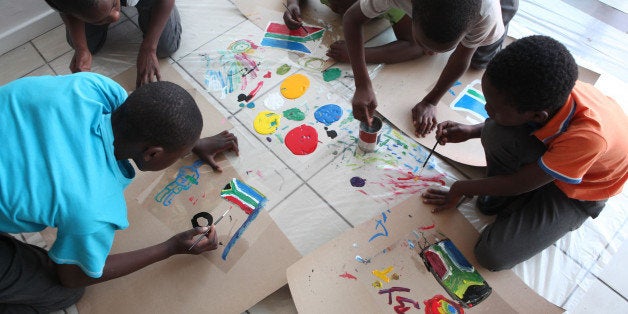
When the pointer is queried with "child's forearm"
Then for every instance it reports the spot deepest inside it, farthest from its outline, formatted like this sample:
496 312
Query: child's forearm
456 65
353 21
394 52
76 29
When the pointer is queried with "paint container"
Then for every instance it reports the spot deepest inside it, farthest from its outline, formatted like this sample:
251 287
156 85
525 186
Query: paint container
367 141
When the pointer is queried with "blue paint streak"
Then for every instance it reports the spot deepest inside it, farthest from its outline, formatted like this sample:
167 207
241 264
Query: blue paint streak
284 44
239 233
472 104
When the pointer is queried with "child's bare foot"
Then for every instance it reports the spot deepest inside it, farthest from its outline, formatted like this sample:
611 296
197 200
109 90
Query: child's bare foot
338 51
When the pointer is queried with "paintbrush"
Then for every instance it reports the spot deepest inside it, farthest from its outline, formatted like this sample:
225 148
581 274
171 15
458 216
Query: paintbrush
303 27
428 157
206 232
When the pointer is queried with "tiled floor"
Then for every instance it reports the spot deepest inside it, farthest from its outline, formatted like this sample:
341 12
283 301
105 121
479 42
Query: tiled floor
210 26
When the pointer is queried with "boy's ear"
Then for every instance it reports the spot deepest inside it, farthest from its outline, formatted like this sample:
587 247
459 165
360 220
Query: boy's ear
152 152
539 117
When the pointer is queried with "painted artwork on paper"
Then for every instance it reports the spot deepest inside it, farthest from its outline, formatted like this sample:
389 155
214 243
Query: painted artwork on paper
472 101
302 40
232 69
452 270
250 200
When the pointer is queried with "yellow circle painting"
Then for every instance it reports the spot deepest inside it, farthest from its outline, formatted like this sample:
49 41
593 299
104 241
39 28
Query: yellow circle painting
294 86
266 122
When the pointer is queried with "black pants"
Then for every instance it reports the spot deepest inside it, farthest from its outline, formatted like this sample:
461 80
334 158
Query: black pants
28 280
530 222
169 40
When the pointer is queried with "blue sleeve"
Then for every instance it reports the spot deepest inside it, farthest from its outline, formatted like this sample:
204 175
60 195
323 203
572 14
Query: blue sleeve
88 251
110 93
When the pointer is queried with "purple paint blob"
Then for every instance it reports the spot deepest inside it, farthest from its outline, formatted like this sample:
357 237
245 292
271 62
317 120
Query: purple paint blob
358 182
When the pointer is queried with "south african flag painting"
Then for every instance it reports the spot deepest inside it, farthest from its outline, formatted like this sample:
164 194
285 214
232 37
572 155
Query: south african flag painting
278 35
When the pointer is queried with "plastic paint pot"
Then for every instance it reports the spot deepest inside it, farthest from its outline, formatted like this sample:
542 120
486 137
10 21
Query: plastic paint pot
367 141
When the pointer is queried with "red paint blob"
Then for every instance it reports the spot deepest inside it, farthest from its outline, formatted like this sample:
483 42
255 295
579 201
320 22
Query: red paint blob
267 75
302 140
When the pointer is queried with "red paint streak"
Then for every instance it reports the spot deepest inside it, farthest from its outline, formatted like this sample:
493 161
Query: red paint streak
254 92
428 227
302 140
248 210
363 192
284 30
411 176
436 263
348 276
267 75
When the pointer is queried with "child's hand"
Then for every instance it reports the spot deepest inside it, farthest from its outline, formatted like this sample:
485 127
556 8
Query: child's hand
338 51
292 16
207 148
452 132
444 199
81 61
364 104
181 242
424 118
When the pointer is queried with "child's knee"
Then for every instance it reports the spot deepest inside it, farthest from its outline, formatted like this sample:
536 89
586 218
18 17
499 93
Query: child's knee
491 257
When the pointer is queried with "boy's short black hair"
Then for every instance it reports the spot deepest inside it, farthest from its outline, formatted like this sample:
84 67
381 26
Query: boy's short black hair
537 72
160 114
72 6
443 21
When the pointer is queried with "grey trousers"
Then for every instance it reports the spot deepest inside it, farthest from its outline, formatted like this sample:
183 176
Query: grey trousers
484 54
169 40
28 280
530 222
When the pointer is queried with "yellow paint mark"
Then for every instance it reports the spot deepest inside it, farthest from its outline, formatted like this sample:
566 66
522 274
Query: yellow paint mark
266 122
294 86
381 274
377 284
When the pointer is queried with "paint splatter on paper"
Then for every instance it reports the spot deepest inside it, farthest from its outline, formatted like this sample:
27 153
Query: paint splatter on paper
357 182
302 140
294 86
266 122
348 276
294 114
283 69
441 305
274 101
328 114
331 74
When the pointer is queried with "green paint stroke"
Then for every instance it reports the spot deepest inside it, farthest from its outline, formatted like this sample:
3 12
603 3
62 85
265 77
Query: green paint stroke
294 114
476 94
283 69
331 74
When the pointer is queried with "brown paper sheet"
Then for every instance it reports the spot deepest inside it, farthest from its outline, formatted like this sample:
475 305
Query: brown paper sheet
317 287
254 268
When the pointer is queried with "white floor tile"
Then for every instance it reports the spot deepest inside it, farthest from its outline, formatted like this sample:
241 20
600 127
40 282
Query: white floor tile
600 299
43 70
19 62
203 21
615 273
307 221
52 44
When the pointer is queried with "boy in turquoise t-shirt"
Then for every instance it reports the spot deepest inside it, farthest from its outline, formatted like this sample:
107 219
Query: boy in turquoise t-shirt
65 164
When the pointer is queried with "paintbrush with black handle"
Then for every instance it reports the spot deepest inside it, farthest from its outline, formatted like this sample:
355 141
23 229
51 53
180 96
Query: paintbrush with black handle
303 27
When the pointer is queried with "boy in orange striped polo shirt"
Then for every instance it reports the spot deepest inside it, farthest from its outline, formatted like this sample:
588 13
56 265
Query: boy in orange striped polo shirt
555 150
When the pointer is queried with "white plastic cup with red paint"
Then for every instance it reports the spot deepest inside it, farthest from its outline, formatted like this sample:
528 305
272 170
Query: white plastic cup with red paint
367 140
